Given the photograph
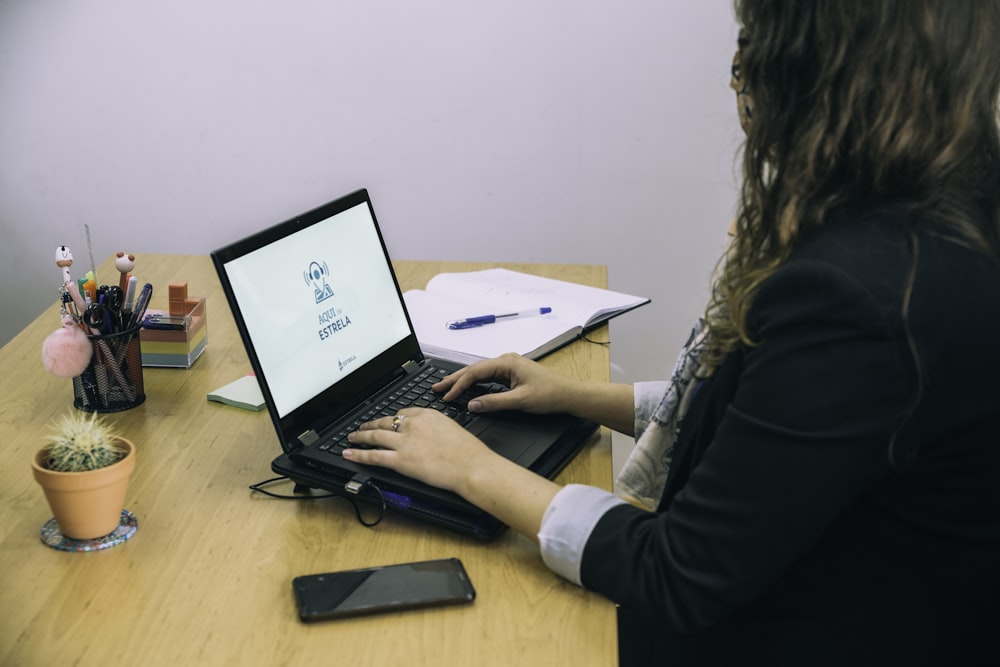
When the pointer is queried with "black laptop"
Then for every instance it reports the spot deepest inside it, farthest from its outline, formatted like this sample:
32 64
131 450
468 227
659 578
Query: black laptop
326 329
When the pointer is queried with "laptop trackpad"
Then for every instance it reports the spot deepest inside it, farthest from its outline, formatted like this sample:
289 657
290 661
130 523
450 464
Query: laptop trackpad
510 440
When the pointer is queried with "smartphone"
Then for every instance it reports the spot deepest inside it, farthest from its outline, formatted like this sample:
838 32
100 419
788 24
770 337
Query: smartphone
380 589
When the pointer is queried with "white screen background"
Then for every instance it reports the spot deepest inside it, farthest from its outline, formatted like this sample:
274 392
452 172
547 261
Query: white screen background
278 303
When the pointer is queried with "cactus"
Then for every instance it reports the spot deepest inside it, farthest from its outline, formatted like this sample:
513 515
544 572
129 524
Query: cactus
81 444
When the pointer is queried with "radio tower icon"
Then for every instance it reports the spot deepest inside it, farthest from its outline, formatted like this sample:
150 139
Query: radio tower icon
316 276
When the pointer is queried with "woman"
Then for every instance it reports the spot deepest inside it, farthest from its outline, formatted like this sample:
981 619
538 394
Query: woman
834 485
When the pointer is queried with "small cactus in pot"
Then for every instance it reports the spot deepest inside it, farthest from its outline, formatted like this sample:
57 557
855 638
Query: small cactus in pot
84 471
82 443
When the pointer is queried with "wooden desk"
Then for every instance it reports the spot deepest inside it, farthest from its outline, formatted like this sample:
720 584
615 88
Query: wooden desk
206 580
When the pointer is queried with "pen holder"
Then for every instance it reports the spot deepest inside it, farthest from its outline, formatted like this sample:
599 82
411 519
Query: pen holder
112 381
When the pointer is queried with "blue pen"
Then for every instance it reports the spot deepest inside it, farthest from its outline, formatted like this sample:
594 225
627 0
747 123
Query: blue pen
480 320
140 306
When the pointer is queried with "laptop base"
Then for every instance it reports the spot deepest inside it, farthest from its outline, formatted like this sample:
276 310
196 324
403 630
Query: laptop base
481 525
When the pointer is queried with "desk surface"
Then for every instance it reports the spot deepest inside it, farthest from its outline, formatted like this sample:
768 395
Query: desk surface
207 577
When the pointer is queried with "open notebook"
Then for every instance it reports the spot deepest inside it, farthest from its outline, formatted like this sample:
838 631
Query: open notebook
575 309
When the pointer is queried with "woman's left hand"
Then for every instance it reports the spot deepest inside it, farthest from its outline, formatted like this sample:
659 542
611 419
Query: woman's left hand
422 444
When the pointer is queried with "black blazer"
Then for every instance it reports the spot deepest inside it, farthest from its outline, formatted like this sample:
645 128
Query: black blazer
835 491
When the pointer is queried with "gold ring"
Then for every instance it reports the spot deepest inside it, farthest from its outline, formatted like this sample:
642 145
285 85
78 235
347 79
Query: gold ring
396 421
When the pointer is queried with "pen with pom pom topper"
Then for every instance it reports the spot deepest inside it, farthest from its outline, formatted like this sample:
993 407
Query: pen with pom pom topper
66 352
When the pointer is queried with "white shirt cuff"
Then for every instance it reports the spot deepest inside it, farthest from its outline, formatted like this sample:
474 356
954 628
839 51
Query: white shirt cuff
567 524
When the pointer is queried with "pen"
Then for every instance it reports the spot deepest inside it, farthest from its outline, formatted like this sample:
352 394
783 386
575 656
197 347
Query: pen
64 260
140 306
74 292
130 293
90 251
470 322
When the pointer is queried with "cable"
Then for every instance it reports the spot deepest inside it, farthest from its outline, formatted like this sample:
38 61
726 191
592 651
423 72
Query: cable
595 342
306 495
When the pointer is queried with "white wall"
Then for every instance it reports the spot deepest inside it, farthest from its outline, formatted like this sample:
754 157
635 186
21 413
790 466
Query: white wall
525 130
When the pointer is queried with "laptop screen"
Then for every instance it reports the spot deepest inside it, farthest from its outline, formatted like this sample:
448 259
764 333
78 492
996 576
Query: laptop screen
318 302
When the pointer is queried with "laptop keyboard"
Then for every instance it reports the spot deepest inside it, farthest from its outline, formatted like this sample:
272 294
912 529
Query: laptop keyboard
415 392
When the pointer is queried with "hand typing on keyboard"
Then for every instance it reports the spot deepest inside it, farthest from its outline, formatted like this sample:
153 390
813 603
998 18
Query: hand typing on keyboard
433 448
417 392
481 387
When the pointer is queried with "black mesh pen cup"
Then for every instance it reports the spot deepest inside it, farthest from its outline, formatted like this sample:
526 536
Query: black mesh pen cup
112 382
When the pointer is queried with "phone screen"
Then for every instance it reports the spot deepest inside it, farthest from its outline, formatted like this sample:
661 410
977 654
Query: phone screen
388 588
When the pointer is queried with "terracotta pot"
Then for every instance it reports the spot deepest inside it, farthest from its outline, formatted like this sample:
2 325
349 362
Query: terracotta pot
86 505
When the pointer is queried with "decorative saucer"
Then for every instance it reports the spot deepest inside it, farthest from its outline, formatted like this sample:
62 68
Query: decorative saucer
127 526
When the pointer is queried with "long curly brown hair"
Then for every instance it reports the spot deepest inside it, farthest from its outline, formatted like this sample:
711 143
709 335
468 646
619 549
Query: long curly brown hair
859 101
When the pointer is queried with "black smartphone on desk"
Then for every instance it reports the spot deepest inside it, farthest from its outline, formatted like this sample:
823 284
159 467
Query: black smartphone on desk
379 589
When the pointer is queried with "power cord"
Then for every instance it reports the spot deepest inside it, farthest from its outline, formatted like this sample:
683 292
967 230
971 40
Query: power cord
595 342
355 486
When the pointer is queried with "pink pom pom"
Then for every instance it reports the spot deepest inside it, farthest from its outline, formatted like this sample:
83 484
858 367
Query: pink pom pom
67 351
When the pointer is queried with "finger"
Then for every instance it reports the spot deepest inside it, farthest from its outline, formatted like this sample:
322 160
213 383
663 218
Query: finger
381 438
481 371
451 383
504 400
389 423
447 381
373 457
456 389
382 423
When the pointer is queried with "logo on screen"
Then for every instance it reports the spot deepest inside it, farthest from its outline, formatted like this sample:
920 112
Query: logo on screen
316 276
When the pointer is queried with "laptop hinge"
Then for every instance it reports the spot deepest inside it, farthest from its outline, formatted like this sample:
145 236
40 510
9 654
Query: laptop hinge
309 438
411 367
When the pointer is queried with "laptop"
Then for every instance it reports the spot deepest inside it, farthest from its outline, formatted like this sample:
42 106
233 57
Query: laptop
325 326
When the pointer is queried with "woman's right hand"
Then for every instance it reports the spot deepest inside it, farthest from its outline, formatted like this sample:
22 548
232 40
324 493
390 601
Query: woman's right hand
532 387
